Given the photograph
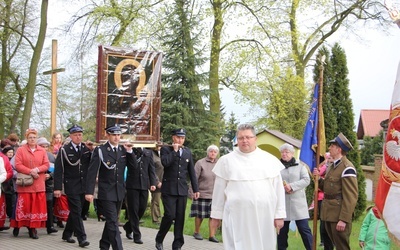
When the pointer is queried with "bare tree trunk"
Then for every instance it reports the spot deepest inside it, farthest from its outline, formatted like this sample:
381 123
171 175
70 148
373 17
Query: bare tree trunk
4 63
37 51
215 100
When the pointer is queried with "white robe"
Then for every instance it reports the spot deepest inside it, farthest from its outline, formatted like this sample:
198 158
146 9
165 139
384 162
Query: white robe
248 195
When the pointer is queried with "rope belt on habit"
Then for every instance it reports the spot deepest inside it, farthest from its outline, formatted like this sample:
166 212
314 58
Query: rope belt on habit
333 196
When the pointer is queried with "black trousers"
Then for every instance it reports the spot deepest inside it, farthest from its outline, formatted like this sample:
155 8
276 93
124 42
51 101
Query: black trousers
85 208
174 210
74 221
111 236
50 216
136 206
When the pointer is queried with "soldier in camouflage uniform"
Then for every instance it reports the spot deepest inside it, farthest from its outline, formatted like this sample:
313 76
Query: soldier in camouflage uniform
340 194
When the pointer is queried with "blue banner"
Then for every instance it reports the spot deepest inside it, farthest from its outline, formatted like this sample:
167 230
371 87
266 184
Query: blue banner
310 136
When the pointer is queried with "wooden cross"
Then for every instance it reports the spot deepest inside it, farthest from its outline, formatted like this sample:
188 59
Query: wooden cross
54 70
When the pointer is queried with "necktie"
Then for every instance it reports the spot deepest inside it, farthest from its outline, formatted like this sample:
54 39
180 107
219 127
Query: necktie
78 149
115 152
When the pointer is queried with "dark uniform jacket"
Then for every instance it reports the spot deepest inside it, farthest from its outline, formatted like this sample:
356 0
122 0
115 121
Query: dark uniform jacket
176 170
340 192
109 167
142 176
71 168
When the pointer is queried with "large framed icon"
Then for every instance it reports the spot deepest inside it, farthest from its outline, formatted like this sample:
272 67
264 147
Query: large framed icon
129 94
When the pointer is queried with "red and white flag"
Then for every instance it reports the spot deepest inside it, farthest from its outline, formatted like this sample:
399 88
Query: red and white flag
388 192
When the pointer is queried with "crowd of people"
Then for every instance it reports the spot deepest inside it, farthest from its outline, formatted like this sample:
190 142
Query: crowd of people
251 194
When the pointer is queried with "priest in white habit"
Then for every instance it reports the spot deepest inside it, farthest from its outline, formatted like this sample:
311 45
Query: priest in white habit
249 195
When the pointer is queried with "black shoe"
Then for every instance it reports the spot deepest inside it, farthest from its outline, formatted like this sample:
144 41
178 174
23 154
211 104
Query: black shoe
84 243
33 233
16 231
128 232
51 230
159 246
60 224
178 248
84 217
69 240
213 239
4 228
101 217
138 241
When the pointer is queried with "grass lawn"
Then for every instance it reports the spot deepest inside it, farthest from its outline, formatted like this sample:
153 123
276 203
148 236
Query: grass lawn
294 237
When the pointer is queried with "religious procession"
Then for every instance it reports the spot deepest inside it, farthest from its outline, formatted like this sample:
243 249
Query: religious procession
156 166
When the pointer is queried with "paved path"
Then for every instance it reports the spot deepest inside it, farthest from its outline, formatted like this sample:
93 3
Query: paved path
94 230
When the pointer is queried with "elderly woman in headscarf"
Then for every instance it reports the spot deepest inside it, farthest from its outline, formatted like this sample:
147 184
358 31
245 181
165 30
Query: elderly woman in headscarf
30 209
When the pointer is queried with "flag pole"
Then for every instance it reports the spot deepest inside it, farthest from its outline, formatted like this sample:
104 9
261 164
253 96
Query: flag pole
318 153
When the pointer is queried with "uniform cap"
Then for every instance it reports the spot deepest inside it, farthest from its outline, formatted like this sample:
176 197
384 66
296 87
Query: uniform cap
113 130
75 129
179 132
343 143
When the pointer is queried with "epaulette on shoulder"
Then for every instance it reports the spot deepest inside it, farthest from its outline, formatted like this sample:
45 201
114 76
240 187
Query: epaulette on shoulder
349 172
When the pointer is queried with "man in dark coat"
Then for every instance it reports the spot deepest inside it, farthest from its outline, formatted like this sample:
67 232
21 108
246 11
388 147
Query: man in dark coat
70 169
108 166
138 182
178 165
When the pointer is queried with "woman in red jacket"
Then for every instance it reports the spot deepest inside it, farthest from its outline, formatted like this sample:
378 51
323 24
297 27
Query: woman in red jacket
30 208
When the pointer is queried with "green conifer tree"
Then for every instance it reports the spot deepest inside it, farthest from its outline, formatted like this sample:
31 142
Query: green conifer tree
342 111
182 98
330 122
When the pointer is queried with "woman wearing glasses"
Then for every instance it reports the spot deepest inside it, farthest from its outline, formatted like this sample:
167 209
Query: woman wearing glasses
30 209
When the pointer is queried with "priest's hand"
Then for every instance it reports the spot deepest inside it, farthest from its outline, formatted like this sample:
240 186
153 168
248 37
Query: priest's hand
278 223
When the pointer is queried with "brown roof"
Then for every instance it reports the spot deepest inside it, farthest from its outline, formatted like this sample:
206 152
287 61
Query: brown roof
369 123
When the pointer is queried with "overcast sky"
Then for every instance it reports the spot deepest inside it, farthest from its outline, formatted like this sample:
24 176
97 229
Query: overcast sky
372 64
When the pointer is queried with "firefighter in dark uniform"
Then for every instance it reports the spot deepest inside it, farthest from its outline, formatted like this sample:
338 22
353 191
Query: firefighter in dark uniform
70 169
340 194
138 182
108 166
178 165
